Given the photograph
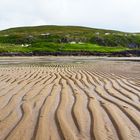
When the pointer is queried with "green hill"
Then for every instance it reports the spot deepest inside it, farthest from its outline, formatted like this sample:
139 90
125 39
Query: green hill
66 39
54 30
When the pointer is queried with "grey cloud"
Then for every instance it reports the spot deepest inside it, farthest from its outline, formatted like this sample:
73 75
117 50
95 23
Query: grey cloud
112 14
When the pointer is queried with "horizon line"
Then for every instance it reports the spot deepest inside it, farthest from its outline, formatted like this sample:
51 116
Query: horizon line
13 27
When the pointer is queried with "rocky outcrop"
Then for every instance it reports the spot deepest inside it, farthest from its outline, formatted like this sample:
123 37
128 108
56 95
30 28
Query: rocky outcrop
128 53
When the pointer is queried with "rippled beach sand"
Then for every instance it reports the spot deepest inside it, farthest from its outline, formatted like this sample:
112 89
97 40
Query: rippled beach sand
69 99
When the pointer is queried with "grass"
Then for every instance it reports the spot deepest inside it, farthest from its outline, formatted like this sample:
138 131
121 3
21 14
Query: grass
65 34
12 48
63 30
92 48
59 47
59 38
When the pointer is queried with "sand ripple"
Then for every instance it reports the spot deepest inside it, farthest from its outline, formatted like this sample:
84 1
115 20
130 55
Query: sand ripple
69 102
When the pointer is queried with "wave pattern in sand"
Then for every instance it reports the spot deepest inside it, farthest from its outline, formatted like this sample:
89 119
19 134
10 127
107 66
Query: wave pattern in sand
70 102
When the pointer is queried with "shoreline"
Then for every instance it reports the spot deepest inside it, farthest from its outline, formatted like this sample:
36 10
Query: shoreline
8 60
128 53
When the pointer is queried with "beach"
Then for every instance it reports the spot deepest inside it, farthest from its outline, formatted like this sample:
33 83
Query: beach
69 98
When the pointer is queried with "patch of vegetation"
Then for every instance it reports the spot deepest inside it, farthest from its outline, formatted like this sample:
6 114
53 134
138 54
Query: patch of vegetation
66 38
130 40
59 47
13 48
92 48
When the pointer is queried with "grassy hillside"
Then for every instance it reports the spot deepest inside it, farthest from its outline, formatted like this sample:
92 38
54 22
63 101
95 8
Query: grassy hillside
57 47
58 30
66 38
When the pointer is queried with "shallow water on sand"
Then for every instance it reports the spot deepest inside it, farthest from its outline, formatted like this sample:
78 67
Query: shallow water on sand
64 59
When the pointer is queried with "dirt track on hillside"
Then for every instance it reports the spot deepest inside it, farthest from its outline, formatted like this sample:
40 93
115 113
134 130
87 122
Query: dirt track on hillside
91 101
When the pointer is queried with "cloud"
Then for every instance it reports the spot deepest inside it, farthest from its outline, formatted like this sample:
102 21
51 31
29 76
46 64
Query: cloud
111 14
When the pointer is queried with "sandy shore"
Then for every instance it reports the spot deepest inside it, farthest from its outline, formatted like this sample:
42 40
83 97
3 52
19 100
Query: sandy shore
80 100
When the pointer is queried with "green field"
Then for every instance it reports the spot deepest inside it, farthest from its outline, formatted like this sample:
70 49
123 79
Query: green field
53 47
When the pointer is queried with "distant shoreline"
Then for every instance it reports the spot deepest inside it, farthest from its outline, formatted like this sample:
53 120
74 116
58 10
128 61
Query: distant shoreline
128 53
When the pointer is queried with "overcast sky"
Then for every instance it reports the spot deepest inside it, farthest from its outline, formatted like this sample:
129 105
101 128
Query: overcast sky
121 15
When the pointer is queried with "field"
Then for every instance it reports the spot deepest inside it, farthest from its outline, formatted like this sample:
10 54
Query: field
76 99
60 47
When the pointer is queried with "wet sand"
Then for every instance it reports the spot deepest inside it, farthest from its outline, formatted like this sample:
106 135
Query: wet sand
75 99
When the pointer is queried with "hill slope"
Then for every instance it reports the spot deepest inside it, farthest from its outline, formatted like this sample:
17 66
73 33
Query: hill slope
36 30
66 39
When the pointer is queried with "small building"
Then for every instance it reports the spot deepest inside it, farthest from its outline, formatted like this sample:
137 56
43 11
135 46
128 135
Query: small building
45 34
97 33
73 42
27 45
107 33
6 35
134 34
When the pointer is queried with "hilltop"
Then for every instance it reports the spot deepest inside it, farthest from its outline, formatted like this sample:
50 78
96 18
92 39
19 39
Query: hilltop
67 39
